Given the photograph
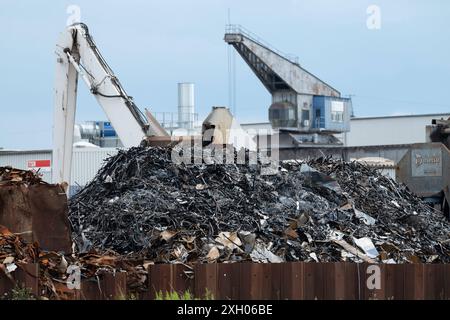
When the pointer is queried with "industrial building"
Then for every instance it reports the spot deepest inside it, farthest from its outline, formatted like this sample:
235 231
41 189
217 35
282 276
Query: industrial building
388 130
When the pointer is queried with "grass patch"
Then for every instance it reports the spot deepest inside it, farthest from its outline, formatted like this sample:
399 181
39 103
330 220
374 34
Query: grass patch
187 295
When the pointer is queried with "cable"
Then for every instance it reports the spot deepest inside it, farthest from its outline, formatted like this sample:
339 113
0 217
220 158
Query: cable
135 111
94 91
229 77
233 75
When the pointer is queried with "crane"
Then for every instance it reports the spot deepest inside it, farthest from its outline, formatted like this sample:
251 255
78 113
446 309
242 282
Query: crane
78 55
304 108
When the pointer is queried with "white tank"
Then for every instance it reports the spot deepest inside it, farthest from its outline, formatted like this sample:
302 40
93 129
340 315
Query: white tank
186 105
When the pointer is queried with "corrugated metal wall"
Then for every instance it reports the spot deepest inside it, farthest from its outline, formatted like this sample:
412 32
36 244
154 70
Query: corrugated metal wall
19 160
85 162
259 281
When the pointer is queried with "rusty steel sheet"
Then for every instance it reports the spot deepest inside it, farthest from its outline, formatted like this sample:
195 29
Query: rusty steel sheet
39 213
310 281
236 281
26 276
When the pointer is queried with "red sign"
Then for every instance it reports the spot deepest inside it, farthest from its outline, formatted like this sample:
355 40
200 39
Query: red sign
39 164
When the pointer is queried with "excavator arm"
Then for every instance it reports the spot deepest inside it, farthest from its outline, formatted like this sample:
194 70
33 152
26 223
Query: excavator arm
77 55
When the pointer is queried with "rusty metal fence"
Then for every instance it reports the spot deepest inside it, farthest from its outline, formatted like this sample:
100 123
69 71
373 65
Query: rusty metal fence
296 280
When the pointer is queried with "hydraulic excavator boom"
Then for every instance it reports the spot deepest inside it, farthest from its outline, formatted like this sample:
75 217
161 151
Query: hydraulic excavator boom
77 55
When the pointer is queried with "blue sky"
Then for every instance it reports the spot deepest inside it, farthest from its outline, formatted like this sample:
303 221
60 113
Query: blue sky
402 68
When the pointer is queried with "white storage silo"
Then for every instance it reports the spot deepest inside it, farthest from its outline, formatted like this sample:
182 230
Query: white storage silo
186 105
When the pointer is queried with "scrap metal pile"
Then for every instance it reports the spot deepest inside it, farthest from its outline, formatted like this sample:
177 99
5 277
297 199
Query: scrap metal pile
143 203
10 176
13 250
53 266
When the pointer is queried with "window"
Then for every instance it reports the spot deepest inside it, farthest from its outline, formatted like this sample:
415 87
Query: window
275 114
337 111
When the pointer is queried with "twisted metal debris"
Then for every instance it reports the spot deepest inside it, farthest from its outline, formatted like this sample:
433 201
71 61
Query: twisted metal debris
9 176
325 210
15 252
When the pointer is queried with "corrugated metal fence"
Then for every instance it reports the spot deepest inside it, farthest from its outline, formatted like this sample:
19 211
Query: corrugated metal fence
296 280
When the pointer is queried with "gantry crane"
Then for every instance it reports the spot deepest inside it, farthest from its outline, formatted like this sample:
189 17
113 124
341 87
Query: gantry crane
303 106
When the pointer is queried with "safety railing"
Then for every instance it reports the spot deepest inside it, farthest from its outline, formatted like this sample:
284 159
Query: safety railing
239 29
173 120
